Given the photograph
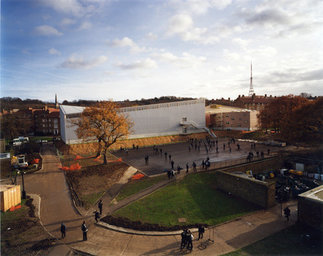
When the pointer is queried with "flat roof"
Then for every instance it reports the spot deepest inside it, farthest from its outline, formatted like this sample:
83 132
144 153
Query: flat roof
225 109
68 110
315 194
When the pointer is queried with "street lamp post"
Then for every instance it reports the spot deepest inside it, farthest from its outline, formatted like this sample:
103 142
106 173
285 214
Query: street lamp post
23 194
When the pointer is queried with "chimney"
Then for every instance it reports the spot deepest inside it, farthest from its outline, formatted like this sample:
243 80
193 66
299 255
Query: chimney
229 99
265 95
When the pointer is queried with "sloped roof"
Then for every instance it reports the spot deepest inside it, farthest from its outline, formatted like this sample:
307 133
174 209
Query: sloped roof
71 109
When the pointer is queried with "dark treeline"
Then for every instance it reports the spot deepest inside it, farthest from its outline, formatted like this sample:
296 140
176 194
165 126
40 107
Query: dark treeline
8 103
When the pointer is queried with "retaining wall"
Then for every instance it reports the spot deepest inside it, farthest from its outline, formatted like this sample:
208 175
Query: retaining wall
255 191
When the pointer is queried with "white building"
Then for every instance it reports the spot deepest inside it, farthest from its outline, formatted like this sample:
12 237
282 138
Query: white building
182 117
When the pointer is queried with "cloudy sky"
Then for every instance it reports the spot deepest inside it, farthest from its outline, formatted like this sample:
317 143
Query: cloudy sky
133 49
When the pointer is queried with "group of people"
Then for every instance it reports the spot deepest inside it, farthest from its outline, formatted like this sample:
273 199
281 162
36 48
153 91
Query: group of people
187 237
84 228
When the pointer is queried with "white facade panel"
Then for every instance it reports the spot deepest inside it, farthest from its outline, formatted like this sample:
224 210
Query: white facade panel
151 120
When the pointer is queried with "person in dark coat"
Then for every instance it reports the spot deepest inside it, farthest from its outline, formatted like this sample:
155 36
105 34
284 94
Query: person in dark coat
96 216
84 230
201 232
187 167
63 230
100 206
172 164
183 239
194 166
189 238
287 213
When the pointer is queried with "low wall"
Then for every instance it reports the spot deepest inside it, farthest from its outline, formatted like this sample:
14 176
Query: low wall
266 164
255 191
141 142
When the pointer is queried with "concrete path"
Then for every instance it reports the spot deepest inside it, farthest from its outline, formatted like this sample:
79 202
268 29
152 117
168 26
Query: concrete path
57 206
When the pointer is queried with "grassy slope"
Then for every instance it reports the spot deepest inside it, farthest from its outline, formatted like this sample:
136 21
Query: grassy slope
136 186
22 234
194 198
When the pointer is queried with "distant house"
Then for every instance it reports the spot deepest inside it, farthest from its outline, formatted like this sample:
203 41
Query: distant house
254 102
231 118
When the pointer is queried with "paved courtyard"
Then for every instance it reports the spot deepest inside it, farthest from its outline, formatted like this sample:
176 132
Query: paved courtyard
181 155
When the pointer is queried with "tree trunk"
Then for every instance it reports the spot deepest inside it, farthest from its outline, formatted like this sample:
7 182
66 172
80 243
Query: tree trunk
105 157
99 149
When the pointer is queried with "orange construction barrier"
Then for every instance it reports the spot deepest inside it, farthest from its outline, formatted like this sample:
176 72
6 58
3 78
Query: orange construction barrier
137 176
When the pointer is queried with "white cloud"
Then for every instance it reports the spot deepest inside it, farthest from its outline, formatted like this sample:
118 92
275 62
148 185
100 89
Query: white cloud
85 25
74 62
151 36
182 25
185 61
53 51
141 64
126 42
46 30
67 21
198 6
65 6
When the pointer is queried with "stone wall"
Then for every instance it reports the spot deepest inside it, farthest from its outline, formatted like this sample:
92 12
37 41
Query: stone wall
255 191
310 212
267 164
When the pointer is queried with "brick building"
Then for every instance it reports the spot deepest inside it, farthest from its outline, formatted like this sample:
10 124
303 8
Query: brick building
254 102
46 121
231 118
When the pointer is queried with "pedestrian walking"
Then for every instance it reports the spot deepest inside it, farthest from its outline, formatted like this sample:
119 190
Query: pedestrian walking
172 164
178 169
201 232
183 239
63 230
238 146
170 157
84 230
194 166
189 237
203 164
100 206
187 167
96 216
287 213
146 159
165 155
223 146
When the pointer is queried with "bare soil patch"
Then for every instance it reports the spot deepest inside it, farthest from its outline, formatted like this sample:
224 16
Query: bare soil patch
96 178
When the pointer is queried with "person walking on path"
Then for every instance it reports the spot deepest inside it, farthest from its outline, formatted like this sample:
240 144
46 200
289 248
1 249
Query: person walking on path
194 166
187 167
287 213
96 216
84 230
183 239
172 164
63 230
100 205
201 232
189 237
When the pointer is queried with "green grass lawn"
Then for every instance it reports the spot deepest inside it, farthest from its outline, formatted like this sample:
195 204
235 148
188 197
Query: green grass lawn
22 234
90 199
286 242
136 186
194 198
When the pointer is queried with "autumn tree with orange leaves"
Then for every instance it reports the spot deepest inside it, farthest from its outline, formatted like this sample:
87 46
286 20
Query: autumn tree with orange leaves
296 118
104 123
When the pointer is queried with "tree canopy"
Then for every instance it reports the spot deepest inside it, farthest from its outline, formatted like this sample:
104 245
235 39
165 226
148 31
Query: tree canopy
296 118
104 123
